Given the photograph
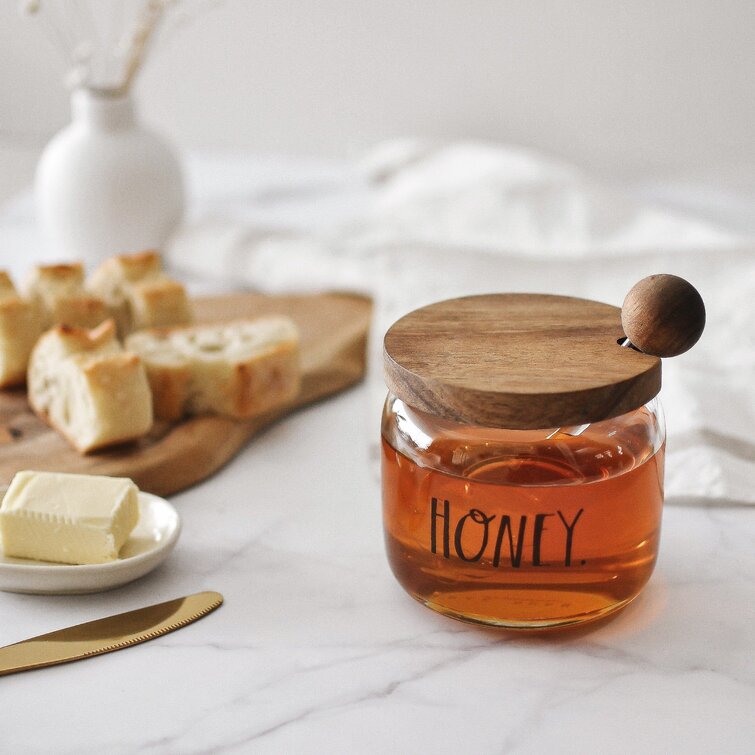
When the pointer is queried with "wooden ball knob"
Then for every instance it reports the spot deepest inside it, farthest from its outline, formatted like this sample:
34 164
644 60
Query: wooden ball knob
663 315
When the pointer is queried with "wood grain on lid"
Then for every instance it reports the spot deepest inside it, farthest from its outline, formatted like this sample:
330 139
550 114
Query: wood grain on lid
519 361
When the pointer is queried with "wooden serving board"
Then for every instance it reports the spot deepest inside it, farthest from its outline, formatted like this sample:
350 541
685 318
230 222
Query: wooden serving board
173 456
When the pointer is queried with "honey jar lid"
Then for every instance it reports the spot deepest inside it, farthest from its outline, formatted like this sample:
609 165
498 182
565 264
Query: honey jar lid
528 361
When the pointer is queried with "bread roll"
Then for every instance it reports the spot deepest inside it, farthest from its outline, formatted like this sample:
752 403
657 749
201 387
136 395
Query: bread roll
83 384
159 303
20 327
139 294
6 285
238 369
131 268
82 311
46 283
60 297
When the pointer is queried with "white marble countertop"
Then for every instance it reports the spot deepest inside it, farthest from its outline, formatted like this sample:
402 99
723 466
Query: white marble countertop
318 650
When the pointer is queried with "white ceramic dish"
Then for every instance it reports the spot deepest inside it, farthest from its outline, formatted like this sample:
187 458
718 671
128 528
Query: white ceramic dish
148 546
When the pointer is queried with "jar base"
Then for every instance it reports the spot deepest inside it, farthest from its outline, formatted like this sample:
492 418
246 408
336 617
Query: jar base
527 624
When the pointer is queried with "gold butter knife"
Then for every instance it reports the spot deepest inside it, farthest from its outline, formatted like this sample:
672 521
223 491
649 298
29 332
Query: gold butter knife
108 634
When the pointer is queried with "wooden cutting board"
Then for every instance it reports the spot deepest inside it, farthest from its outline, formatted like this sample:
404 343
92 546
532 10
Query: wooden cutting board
172 457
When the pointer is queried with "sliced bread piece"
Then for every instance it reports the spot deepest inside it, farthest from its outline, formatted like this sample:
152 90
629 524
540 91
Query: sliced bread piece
81 311
46 283
159 303
58 293
83 384
238 369
20 326
139 294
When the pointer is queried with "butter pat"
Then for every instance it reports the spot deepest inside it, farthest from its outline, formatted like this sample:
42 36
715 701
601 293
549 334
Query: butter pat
68 518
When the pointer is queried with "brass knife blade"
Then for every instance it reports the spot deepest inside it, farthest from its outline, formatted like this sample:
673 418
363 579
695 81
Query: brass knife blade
108 634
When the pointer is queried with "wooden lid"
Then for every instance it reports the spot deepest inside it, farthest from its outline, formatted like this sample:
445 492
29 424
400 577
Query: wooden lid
519 361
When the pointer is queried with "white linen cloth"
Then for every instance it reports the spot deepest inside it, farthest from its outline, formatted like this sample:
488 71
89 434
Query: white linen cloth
417 222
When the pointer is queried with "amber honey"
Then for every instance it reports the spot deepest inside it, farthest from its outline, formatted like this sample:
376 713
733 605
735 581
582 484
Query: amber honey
523 529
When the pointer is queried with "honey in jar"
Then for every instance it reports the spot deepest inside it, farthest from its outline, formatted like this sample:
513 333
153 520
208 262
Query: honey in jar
522 457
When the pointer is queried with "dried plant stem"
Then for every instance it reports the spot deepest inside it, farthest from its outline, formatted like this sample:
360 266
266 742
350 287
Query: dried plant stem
105 43
143 34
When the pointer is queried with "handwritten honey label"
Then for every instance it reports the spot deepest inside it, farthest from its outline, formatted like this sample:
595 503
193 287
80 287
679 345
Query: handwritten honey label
501 538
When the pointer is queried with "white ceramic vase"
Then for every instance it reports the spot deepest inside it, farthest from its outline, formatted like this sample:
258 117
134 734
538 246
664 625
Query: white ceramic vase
105 184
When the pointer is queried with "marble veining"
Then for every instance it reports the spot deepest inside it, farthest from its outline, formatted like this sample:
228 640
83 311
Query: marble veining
318 650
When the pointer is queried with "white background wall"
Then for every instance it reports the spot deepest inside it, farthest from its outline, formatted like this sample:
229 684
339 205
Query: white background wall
625 88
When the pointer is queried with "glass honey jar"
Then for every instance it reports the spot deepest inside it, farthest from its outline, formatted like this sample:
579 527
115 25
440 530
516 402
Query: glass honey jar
522 451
